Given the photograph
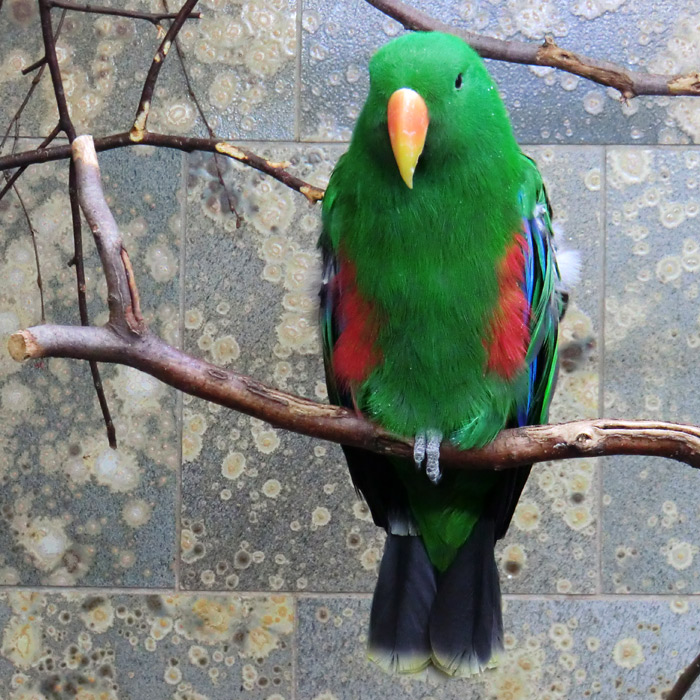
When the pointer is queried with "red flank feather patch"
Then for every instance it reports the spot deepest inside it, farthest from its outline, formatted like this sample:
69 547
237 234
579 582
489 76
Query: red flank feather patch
355 354
508 331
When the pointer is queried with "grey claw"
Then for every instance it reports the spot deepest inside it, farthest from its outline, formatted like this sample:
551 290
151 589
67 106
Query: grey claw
419 450
432 451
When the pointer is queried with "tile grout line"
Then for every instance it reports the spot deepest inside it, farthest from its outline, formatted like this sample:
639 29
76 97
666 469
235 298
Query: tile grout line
85 590
601 356
295 643
348 595
297 74
523 144
297 138
181 342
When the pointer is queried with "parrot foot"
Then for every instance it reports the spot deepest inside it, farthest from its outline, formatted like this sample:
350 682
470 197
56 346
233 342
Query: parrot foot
427 446
432 451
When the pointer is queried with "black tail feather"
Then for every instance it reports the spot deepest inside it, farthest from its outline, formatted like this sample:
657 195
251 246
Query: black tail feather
466 626
399 640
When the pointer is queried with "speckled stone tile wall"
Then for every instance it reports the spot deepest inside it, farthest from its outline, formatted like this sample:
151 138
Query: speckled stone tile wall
552 545
239 56
546 106
263 509
651 346
118 647
73 511
555 648
268 596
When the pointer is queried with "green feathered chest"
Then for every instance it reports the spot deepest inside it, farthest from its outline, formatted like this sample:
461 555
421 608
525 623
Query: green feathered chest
424 267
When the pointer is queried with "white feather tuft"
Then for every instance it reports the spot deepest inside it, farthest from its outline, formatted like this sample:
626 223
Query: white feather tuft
568 260
569 264
313 279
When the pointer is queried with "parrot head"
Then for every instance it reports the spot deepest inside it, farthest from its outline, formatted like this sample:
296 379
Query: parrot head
430 100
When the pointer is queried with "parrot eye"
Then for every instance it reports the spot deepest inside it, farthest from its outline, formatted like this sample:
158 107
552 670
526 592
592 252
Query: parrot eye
458 82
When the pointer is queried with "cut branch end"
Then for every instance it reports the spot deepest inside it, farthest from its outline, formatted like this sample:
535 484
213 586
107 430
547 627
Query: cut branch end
84 149
23 346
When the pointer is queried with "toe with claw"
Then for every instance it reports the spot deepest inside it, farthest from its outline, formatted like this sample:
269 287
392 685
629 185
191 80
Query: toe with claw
419 449
432 451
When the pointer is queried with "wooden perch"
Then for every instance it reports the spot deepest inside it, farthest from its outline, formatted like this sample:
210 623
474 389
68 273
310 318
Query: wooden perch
126 340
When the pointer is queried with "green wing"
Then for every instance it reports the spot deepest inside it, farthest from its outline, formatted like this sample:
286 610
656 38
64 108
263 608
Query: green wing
547 301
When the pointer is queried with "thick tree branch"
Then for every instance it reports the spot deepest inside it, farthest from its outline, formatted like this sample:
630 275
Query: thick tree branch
512 448
66 124
629 83
122 299
126 340
182 143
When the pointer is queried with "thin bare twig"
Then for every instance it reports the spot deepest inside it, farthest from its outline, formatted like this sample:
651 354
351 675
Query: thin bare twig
32 67
64 119
629 83
144 108
203 117
32 87
153 17
32 231
182 143
11 179
685 681
65 124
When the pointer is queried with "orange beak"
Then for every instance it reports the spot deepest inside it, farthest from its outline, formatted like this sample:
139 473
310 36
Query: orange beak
408 126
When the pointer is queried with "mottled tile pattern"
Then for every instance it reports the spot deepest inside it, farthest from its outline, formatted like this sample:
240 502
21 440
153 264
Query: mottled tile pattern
114 647
551 546
72 510
555 650
263 509
267 511
651 341
241 59
546 106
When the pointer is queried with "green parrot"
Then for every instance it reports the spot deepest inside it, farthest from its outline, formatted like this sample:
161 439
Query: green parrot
440 303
